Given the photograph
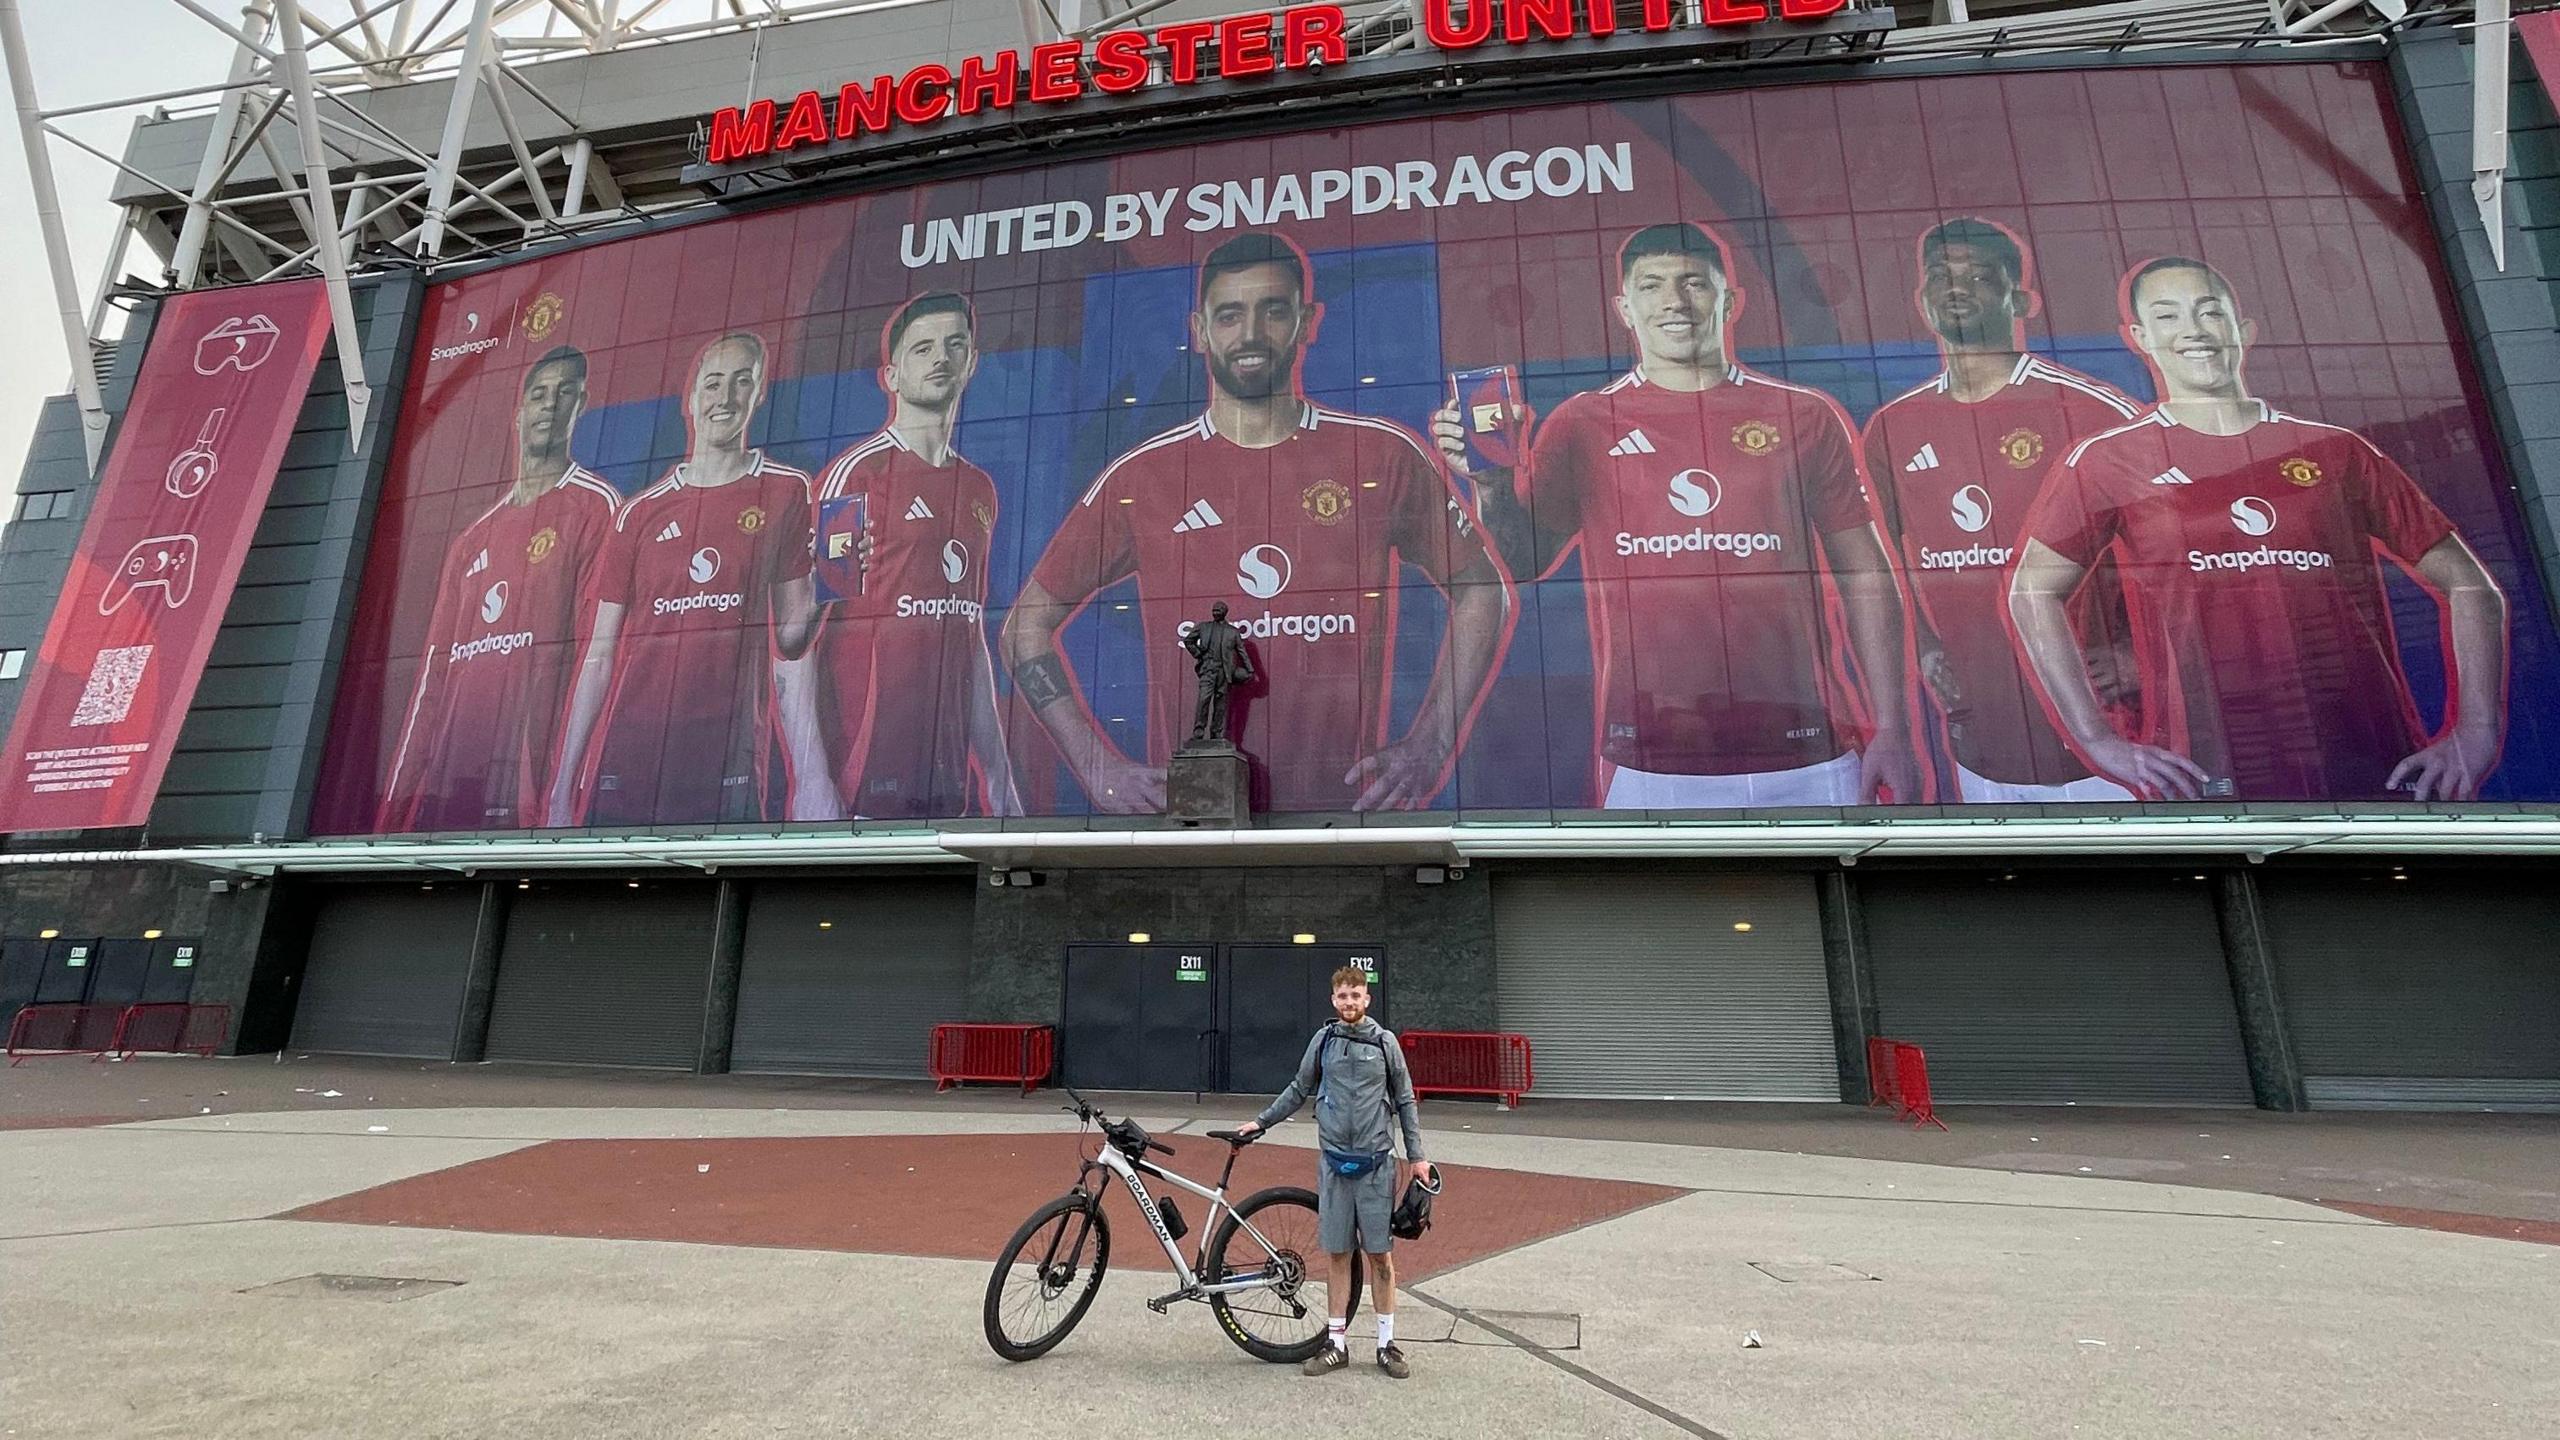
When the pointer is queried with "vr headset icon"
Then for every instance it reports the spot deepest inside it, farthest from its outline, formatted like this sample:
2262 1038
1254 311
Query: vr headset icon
241 343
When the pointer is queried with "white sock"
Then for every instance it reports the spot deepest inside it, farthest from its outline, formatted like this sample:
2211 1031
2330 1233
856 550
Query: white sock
1386 1330
1334 1336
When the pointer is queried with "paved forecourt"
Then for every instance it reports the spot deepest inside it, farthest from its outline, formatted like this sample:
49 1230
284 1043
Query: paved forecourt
810 1284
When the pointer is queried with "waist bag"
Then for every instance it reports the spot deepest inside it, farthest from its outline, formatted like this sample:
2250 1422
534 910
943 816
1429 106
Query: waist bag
1351 1166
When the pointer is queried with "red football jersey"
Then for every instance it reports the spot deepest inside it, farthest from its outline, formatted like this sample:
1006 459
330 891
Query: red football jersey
2261 630
1955 480
903 659
1700 517
686 731
1303 539
502 647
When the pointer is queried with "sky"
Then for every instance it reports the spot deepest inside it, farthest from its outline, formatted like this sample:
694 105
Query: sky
155 46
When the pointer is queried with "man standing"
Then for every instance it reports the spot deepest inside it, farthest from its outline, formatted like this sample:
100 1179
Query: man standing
1697 491
2248 539
671 721
908 686
1310 511
1355 1072
1955 464
475 750
1219 661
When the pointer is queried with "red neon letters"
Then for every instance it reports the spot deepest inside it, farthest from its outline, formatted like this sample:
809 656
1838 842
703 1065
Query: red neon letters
1118 63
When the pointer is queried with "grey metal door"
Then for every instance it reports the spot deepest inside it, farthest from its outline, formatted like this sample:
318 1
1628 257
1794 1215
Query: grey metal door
2058 986
2417 987
850 977
385 970
1136 1018
604 974
67 968
1274 1000
1667 985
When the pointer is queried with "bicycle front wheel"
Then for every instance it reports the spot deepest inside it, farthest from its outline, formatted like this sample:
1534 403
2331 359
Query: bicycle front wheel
1272 1239
1047 1276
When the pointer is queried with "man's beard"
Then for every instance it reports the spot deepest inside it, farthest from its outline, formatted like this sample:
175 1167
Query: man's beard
1275 376
1983 327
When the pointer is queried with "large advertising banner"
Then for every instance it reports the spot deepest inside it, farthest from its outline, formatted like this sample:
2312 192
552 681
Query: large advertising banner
2078 436
171 523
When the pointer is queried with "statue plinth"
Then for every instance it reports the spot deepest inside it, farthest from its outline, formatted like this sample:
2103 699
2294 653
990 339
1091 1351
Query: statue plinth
1208 785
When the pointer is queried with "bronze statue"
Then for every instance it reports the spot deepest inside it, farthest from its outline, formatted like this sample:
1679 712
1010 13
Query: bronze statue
1218 657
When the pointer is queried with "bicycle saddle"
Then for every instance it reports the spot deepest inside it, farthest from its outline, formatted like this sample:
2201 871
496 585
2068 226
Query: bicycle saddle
1233 1137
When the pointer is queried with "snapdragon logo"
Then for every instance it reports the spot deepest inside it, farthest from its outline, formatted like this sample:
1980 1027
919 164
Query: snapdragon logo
1970 508
940 607
462 348
2252 516
2265 557
955 561
1263 571
1268 626
493 603
488 645
1701 542
1972 557
705 566
1694 493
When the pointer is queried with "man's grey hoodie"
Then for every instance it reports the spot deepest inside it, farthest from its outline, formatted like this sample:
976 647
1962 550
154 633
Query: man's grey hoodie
1363 1082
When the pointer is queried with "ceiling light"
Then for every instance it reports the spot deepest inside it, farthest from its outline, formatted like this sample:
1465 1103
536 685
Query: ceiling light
1742 925
826 924
1302 938
47 934
1139 937
150 934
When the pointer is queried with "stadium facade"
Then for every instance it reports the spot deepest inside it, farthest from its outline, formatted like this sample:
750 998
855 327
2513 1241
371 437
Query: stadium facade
1758 526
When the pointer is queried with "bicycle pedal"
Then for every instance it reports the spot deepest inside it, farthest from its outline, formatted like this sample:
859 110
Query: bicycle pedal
1161 1302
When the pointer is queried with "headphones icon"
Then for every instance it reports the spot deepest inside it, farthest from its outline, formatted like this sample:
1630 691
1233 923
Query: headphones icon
196 466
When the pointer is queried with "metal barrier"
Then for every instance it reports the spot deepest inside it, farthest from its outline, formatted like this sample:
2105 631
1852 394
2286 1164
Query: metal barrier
1012 1054
174 1029
1898 1075
1463 1062
62 1030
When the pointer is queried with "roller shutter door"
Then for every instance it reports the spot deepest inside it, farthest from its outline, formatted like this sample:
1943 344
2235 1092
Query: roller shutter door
2434 989
604 975
849 977
2054 987
1641 986
386 970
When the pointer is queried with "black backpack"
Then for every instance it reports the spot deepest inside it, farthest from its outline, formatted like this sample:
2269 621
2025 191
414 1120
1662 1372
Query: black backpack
1333 1030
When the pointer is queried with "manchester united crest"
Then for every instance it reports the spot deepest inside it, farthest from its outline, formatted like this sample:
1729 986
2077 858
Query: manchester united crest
1757 437
1327 500
751 519
2022 447
985 517
545 540
2299 473
543 315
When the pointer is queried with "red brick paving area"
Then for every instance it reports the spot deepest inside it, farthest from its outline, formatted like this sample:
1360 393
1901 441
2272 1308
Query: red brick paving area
2456 1222
953 1196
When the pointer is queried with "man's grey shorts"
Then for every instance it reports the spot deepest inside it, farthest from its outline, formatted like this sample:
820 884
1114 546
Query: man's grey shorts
1368 1199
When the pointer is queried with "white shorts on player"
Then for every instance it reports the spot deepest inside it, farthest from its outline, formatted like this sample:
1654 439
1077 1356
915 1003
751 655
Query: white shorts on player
1979 790
1826 782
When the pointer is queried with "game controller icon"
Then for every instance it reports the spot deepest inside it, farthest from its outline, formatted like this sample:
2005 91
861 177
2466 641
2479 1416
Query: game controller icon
196 466
166 563
241 343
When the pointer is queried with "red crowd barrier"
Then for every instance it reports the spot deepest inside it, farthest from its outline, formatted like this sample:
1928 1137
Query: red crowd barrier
63 1030
1012 1054
172 1028
1898 1075
1462 1062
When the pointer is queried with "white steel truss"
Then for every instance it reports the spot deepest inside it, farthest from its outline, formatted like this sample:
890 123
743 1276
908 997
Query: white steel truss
299 175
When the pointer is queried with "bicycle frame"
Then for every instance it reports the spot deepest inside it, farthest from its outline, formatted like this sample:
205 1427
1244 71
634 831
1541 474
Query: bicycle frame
1128 1171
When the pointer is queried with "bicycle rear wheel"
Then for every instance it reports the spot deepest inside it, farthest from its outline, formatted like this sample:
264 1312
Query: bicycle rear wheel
1272 1237
1047 1276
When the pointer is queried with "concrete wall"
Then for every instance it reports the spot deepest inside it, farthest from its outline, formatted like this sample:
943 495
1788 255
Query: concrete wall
1438 939
251 936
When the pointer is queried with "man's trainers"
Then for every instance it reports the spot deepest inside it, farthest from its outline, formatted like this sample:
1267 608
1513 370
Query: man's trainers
1391 1360
1327 1360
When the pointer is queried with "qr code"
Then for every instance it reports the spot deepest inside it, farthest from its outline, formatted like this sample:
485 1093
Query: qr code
108 697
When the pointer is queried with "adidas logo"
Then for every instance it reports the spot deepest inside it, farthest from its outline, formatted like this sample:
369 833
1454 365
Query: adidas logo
1927 459
1198 517
2172 476
919 510
674 531
1632 443
479 563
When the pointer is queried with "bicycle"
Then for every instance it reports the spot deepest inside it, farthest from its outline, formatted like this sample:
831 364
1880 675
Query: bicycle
1260 1269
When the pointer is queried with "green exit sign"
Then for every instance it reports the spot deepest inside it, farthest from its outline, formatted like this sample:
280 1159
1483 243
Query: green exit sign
1191 967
